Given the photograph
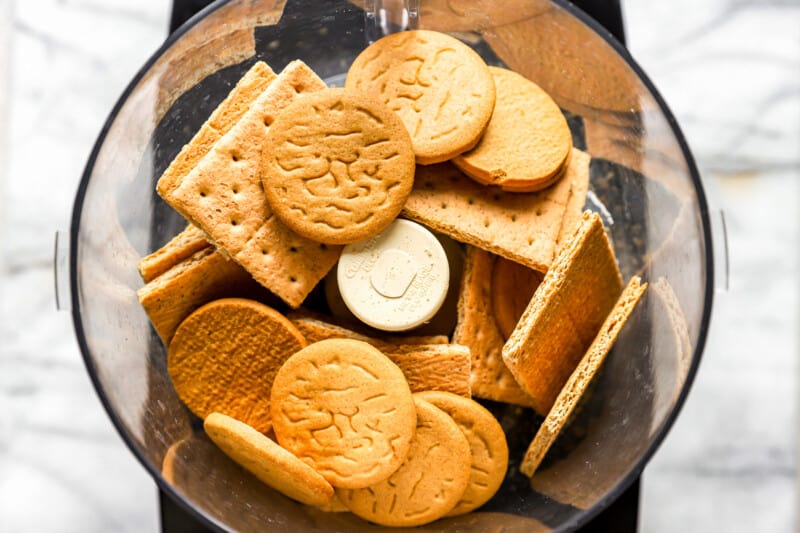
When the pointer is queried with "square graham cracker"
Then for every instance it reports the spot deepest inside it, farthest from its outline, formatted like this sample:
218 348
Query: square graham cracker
432 366
582 376
477 329
565 313
522 227
224 117
577 195
181 247
223 195
205 276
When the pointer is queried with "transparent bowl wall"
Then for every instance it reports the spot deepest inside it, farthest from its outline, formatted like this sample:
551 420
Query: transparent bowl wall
643 182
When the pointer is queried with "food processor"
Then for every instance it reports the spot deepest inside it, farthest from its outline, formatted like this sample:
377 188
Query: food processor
643 183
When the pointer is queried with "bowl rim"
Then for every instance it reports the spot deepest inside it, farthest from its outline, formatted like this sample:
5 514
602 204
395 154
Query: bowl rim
585 515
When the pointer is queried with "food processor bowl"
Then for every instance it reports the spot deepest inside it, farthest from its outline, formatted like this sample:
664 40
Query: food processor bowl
644 184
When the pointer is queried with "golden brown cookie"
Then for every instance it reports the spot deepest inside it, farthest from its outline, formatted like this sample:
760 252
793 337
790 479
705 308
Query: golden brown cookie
487 443
513 286
526 142
267 461
442 89
565 313
580 163
582 376
346 410
337 166
224 356
430 482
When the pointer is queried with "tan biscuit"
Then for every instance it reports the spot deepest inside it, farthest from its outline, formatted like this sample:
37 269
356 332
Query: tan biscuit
428 363
430 482
223 195
477 329
267 461
580 164
225 355
581 377
205 276
440 87
519 227
181 247
317 327
487 443
338 166
513 286
232 108
346 410
565 313
526 142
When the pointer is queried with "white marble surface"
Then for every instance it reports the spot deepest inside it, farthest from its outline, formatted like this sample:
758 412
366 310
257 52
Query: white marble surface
730 70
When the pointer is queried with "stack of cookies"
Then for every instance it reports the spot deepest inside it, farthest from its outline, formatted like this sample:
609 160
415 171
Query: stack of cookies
285 175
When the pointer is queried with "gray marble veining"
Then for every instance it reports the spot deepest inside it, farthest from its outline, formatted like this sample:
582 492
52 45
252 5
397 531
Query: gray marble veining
730 71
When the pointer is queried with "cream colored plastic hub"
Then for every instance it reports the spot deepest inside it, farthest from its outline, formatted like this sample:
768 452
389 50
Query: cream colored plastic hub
396 280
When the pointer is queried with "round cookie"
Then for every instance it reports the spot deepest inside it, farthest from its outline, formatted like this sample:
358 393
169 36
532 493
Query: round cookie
267 461
527 141
487 443
430 482
224 356
337 166
345 409
513 286
442 90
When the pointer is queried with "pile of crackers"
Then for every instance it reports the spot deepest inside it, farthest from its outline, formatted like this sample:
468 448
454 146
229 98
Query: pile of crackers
282 175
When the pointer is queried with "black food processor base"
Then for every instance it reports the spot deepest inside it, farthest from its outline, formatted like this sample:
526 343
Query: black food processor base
620 516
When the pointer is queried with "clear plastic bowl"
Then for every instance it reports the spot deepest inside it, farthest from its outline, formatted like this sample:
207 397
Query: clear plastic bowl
643 181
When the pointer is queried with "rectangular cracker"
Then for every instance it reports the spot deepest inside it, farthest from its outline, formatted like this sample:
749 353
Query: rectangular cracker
205 276
577 195
565 313
443 367
522 227
227 113
316 327
181 247
477 329
223 195
582 376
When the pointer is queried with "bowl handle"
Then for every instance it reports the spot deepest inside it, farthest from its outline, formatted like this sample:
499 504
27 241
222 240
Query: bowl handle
61 271
383 17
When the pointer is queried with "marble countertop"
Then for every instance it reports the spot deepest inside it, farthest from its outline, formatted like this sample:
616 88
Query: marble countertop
730 71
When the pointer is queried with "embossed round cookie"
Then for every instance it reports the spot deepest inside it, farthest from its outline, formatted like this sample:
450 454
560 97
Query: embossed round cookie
337 166
527 141
224 356
267 461
487 443
439 86
345 409
430 482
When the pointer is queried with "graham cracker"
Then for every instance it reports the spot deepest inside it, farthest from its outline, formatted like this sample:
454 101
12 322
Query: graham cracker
522 227
204 276
433 366
582 376
477 329
181 247
565 313
317 327
577 195
224 196
224 117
